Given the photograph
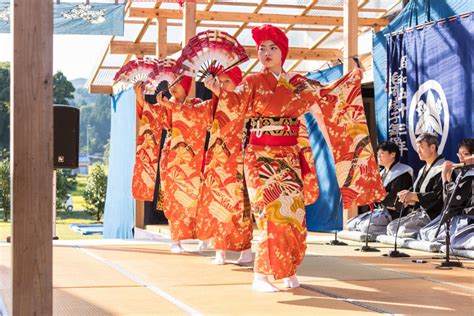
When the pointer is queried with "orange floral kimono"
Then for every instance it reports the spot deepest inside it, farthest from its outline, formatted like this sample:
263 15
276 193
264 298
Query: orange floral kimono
224 211
342 119
181 165
148 148
275 168
275 160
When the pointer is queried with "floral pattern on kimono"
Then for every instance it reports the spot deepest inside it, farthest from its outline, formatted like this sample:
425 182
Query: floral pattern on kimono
181 164
224 210
148 148
346 127
273 174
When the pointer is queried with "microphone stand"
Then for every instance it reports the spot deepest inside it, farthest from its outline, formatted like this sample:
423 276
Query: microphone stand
336 242
446 217
368 248
395 253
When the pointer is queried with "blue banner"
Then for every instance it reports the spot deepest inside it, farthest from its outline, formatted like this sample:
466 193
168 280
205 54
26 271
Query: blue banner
119 218
430 86
77 18
416 12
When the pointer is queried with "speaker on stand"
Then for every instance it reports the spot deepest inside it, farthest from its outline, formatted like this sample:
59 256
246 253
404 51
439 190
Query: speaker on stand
65 145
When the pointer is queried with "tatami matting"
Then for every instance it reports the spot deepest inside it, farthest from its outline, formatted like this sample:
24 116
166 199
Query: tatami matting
143 278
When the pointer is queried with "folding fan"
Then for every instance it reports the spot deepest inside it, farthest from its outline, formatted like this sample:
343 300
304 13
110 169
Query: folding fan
136 70
210 53
165 70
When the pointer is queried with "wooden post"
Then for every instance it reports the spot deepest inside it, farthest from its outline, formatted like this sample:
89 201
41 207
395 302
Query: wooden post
350 34
189 30
32 156
161 38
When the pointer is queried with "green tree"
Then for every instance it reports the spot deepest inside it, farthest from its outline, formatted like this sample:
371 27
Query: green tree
95 191
4 106
95 121
5 187
64 184
62 89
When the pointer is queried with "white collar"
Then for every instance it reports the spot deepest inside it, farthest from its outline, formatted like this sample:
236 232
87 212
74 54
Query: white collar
276 76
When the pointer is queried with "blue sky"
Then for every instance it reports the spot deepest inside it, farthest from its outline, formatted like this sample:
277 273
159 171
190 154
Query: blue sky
76 56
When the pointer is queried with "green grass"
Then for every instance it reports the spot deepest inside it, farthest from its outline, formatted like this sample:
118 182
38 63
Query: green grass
63 220
77 198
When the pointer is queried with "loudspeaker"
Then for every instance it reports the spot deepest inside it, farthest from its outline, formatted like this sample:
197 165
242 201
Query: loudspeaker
66 137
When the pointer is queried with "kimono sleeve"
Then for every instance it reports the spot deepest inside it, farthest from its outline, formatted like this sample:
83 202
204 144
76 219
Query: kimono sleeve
240 99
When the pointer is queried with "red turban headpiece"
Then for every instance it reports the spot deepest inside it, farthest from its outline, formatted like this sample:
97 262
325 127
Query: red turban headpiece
186 83
270 32
235 74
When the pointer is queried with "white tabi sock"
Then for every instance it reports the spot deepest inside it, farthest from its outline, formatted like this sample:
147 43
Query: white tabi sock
245 256
176 247
291 282
204 245
220 257
262 284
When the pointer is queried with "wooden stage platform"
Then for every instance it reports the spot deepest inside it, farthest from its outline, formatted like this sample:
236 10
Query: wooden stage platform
139 277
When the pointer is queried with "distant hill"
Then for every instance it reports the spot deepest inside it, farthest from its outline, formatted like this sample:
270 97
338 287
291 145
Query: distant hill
79 83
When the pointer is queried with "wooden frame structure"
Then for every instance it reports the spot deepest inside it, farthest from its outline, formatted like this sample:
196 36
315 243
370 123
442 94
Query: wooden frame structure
320 17
349 18
32 112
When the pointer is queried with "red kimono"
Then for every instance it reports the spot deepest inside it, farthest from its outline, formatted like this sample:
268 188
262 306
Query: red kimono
148 148
181 164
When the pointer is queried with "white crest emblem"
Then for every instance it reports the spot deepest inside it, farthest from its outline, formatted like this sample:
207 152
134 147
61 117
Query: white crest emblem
430 104
85 12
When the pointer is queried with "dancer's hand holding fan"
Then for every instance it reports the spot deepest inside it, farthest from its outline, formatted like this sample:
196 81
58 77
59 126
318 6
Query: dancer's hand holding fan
210 52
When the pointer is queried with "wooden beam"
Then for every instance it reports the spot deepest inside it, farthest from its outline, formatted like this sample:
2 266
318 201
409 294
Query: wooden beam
162 39
293 6
233 26
100 89
287 29
32 157
320 40
144 48
258 8
251 17
350 33
149 48
189 21
190 26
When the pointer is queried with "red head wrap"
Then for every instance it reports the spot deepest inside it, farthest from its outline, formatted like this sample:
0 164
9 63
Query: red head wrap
270 32
186 83
235 74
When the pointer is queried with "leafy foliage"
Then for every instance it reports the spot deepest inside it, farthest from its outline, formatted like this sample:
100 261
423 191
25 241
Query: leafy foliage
5 187
4 106
62 89
65 183
94 194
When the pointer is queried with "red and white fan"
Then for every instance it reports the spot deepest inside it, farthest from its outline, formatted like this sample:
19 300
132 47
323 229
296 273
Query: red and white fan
165 69
210 53
136 70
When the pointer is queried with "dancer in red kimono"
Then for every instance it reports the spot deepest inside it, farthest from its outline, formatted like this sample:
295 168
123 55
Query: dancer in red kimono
148 147
273 163
224 211
181 161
